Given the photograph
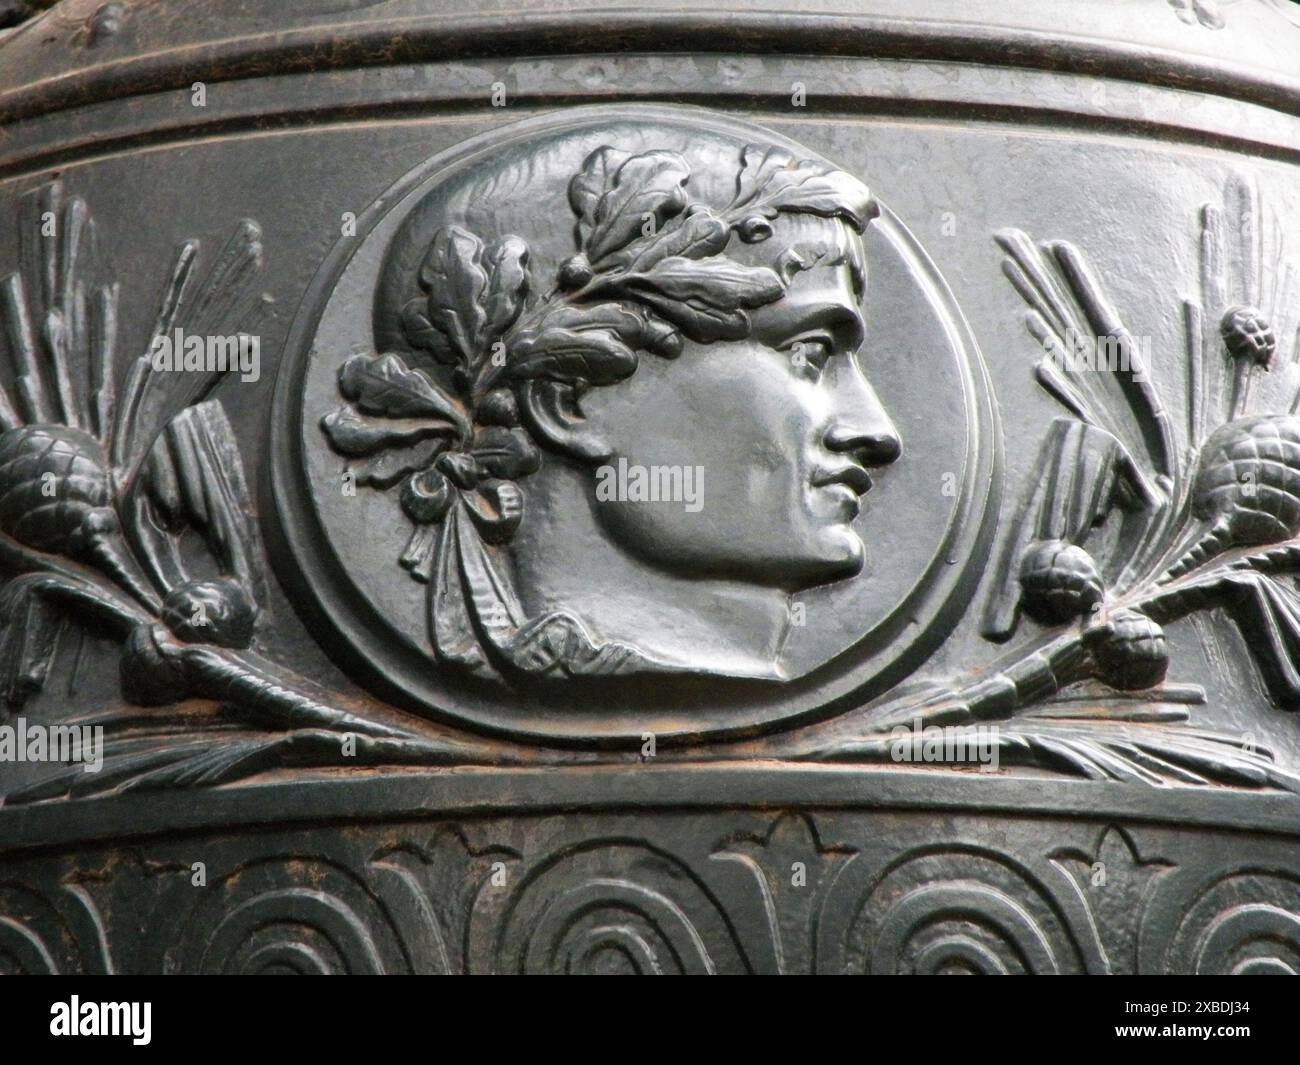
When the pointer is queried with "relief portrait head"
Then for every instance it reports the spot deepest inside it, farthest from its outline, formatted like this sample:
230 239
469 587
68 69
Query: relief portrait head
620 384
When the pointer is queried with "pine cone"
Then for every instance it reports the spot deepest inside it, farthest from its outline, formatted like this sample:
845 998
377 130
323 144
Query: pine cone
1130 651
1248 335
1059 581
54 485
1249 479
213 611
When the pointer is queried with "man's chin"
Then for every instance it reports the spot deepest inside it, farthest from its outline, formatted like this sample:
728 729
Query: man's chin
839 554
824 555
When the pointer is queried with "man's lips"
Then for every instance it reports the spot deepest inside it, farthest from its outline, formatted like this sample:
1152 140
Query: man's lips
852 476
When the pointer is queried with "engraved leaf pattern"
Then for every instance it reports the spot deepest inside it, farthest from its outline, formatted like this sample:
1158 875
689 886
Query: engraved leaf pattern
702 321
720 284
383 385
595 355
456 282
646 187
590 183
386 467
397 420
353 434
771 180
701 235
508 272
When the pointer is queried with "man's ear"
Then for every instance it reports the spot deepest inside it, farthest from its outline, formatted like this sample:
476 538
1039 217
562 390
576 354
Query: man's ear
550 410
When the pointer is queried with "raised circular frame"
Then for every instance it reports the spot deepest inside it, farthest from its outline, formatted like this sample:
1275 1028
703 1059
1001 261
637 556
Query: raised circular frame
354 626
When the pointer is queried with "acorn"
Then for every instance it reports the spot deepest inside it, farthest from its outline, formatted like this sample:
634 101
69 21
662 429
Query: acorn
662 338
1059 581
211 611
426 497
1248 335
1129 650
754 229
498 407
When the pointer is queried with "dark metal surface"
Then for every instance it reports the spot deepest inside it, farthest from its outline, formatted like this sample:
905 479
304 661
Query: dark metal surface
650 489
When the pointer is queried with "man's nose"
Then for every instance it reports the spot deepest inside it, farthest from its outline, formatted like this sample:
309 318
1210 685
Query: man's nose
877 446
860 427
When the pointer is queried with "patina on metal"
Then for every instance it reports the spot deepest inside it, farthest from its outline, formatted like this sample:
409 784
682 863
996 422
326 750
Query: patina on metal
650 490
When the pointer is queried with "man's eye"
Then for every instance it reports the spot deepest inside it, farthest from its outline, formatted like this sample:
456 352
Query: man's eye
810 354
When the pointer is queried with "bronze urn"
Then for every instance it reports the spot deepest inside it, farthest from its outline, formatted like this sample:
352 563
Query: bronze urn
801 487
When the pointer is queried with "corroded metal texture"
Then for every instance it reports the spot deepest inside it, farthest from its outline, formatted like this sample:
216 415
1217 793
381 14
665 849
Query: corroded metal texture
803 488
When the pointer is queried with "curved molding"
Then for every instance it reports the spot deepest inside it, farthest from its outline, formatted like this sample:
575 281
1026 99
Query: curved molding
391 796
438 37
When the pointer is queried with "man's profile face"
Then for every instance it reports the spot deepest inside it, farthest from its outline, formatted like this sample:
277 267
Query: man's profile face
782 425
638 348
